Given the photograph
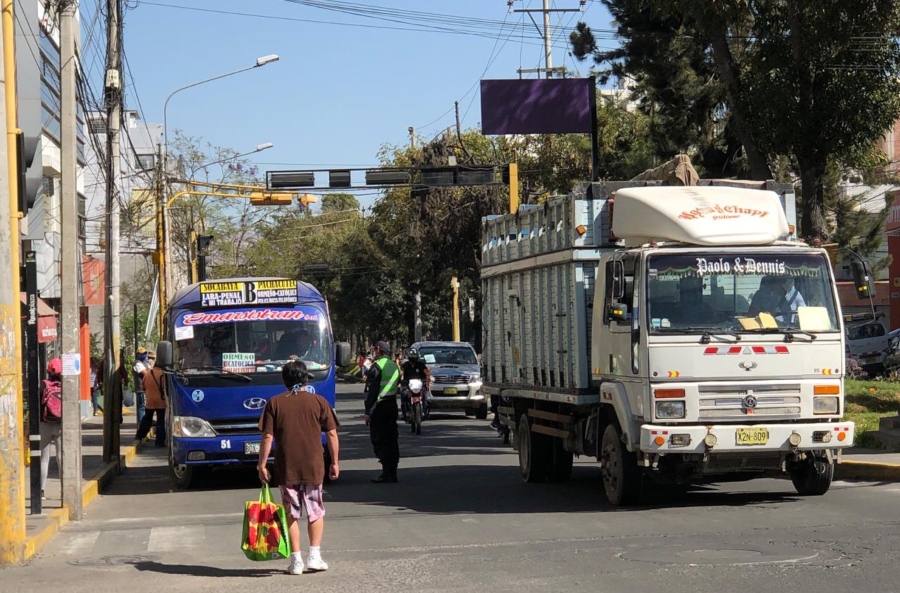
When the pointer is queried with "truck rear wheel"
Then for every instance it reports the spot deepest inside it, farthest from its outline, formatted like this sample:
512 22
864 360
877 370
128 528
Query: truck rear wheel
621 475
535 453
562 462
812 476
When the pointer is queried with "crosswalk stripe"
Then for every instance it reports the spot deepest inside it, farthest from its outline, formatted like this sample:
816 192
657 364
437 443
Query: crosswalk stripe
176 538
80 544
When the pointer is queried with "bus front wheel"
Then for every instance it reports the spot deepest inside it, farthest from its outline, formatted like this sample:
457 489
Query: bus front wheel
185 476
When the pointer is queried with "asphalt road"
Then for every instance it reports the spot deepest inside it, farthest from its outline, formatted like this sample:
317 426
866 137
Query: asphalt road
462 520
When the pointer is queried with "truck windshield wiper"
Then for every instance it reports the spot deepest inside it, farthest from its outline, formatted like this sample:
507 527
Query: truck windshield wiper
788 332
708 332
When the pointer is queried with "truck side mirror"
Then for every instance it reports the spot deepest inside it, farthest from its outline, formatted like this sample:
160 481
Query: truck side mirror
618 280
862 279
343 354
164 354
618 312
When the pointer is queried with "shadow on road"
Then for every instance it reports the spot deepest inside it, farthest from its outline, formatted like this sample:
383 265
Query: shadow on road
487 489
206 571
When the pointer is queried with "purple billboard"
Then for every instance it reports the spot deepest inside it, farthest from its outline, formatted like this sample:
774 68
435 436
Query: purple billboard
536 106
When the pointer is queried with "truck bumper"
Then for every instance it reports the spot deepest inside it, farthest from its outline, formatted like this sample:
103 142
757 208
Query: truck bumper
729 438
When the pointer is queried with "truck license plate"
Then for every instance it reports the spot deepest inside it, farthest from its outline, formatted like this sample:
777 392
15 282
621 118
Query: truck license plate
751 436
251 448
450 391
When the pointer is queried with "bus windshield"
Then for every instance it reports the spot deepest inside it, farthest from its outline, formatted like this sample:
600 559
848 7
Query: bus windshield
690 293
251 340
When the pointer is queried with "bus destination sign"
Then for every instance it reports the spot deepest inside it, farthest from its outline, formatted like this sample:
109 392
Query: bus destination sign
250 292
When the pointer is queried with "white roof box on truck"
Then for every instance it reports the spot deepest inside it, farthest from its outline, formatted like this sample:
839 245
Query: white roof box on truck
698 215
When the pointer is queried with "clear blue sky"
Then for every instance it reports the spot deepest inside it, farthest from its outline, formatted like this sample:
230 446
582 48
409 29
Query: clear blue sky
345 85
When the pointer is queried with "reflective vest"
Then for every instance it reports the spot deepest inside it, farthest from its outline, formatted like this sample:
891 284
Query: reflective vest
390 378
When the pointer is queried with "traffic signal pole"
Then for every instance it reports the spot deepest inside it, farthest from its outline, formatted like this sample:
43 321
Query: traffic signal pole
12 467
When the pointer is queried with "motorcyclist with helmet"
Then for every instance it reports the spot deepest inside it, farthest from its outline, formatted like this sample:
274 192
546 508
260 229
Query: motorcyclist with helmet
413 368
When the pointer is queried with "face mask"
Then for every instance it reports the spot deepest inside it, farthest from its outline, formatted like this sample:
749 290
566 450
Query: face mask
142 357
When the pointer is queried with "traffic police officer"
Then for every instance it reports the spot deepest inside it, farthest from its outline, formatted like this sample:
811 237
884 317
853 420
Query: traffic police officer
381 412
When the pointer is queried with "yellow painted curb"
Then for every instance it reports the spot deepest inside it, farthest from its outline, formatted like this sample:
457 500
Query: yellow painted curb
60 517
867 470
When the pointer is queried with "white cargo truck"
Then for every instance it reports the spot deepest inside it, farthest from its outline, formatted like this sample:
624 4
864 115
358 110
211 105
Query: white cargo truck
676 334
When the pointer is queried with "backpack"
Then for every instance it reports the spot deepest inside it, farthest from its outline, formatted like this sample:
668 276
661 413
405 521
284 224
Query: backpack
51 401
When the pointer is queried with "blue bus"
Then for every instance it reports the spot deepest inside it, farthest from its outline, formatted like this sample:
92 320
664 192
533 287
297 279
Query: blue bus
224 345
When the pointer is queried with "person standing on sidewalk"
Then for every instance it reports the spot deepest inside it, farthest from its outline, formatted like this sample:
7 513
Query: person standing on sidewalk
141 366
51 419
154 385
296 419
383 380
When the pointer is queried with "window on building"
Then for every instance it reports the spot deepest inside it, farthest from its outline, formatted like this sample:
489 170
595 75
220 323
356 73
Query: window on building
145 162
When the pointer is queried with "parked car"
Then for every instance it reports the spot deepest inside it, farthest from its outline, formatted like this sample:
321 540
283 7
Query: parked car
892 359
868 344
455 377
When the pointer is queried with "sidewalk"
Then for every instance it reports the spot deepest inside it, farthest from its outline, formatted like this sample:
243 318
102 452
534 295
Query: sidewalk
869 464
39 529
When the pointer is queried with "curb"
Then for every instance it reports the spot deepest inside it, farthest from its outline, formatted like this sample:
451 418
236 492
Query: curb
89 492
867 470
350 378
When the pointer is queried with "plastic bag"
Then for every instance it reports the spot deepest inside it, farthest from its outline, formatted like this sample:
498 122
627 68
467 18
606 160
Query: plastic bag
265 529
127 398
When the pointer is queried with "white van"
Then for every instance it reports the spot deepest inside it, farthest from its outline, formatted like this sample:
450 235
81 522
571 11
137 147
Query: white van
868 344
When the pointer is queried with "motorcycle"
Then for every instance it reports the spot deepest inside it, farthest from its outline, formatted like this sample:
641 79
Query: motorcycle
417 405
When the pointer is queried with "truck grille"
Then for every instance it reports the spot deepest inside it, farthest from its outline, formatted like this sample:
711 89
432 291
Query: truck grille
236 426
450 379
726 403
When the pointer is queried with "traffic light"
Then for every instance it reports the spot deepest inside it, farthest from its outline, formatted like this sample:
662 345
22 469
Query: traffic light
271 199
30 175
306 199
290 179
458 175
862 278
203 242
339 178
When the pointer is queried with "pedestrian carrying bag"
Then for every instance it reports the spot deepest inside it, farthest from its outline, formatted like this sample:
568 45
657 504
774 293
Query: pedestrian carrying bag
265 528
51 401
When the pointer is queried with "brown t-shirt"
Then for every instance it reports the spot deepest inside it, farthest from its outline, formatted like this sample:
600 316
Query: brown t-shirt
297 422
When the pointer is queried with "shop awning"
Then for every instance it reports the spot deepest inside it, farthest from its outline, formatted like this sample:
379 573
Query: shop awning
46 320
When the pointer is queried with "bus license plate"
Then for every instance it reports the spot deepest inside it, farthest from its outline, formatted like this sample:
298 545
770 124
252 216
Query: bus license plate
450 391
751 436
251 448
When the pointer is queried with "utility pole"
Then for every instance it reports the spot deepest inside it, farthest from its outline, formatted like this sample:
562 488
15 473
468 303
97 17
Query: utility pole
71 347
417 316
12 476
546 33
111 318
160 243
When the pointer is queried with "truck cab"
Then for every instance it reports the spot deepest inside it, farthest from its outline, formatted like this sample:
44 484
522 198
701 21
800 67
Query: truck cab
719 345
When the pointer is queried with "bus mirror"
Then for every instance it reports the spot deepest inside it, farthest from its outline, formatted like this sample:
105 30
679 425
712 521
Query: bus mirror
343 354
164 354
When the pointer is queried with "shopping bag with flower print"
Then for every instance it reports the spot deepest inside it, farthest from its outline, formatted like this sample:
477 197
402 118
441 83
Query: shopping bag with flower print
265 528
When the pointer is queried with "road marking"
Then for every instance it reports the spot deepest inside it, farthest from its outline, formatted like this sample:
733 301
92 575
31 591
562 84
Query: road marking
177 538
80 544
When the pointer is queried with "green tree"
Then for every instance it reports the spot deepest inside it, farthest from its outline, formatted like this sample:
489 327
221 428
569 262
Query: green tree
815 80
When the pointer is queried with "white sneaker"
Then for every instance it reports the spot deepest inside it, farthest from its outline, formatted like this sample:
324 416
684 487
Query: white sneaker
296 566
316 564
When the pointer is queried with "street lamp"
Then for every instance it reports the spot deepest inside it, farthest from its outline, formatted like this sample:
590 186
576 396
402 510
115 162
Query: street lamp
259 63
160 209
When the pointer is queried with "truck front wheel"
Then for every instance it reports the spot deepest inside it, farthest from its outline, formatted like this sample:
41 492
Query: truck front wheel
621 475
535 453
812 476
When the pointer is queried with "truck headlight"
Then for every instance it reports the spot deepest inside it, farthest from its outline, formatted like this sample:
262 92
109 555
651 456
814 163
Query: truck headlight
825 405
669 410
188 426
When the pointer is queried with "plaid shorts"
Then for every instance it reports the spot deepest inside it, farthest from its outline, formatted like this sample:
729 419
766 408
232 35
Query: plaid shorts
296 498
